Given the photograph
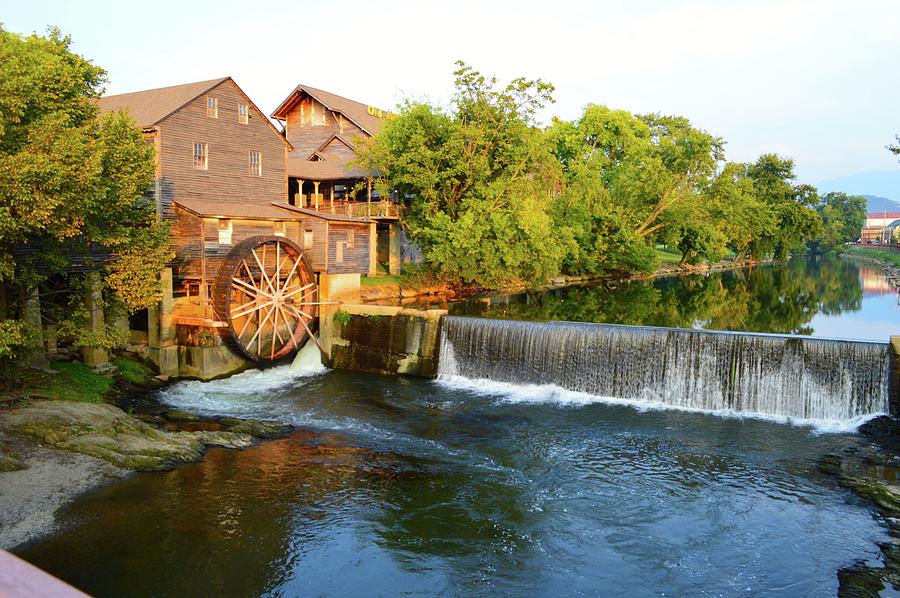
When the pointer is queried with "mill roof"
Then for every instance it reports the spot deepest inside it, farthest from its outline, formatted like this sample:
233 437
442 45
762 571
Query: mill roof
356 112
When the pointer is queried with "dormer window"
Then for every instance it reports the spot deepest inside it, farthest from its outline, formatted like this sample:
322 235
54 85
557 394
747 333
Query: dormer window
212 107
243 113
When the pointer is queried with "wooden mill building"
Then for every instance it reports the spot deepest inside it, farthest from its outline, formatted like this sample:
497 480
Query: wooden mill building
223 181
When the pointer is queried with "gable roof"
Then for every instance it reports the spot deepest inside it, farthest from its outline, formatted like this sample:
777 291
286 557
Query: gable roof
323 170
356 112
150 106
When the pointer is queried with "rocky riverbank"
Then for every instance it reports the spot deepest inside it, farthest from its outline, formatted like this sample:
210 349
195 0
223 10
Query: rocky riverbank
871 472
51 452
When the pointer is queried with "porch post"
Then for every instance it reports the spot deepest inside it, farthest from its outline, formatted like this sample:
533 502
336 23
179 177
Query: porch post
316 192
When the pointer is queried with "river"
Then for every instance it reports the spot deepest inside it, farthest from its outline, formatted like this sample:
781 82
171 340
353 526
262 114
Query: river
409 486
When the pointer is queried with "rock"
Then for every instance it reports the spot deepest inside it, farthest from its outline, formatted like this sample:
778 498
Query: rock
161 378
180 416
232 440
408 293
153 420
256 428
103 431
105 369
10 462
558 280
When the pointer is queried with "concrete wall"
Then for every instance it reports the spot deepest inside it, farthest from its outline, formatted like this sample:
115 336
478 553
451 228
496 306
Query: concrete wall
381 339
895 380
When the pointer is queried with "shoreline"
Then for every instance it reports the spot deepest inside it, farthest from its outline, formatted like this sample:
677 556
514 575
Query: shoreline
50 480
396 294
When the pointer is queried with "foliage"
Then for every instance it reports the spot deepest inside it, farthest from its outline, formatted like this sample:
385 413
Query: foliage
480 173
630 179
794 222
71 183
843 217
895 148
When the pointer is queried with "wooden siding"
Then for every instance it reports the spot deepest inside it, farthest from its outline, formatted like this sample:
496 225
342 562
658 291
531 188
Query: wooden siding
354 241
228 146
185 242
318 254
307 137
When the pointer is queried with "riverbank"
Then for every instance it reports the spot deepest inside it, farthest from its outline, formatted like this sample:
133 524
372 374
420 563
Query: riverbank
401 290
61 438
888 260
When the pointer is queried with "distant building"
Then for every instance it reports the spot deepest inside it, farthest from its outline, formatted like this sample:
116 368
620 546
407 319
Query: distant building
879 227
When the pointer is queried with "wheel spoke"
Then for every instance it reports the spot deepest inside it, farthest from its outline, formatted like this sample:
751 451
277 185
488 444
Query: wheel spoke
251 309
252 288
262 270
290 329
287 281
295 291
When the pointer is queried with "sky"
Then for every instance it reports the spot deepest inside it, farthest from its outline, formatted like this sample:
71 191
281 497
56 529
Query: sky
818 81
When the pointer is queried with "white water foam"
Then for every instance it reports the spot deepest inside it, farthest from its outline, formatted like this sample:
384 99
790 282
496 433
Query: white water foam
551 394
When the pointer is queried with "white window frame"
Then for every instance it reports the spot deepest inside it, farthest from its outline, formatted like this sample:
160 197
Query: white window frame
255 167
226 230
201 159
212 107
243 113
279 229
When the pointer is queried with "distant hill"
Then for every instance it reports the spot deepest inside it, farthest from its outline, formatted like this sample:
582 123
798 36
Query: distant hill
876 183
881 204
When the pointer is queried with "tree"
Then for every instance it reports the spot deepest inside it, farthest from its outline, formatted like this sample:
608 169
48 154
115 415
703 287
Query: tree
843 217
630 180
479 176
71 183
895 149
795 222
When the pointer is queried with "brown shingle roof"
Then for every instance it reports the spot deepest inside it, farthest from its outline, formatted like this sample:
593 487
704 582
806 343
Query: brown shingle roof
357 112
153 105
324 170
231 209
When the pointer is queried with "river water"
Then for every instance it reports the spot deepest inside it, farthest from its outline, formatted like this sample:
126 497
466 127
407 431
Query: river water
409 486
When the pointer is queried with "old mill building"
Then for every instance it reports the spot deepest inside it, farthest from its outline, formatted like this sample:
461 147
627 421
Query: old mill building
260 217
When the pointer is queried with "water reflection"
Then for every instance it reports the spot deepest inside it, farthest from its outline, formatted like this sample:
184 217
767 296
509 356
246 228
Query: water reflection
772 298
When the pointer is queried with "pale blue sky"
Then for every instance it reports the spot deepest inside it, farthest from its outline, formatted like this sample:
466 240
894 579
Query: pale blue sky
816 80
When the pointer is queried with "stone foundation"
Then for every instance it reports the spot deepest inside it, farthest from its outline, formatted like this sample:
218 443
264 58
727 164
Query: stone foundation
381 339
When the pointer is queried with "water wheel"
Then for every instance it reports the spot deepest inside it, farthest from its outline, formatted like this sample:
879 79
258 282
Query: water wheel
265 292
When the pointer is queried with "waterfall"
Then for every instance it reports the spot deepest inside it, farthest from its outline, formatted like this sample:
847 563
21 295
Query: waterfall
788 376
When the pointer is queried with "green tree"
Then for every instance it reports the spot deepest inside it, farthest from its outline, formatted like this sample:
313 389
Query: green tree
480 175
791 206
843 217
630 180
71 183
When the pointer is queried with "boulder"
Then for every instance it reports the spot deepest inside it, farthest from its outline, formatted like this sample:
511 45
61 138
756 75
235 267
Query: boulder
104 431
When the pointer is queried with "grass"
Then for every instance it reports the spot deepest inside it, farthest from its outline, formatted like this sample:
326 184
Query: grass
878 253
74 382
668 255
377 281
132 371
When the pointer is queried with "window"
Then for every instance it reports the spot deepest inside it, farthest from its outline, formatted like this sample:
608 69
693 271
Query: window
212 107
225 232
243 113
255 163
279 229
200 156
307 239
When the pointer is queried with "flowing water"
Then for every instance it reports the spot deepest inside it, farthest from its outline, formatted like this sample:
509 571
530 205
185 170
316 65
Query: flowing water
471 486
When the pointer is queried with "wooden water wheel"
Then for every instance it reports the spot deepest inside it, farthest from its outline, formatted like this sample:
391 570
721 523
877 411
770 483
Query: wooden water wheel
266 293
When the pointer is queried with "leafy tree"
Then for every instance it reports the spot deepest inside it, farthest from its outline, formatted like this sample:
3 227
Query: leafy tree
629 180
480 175
843 217
70 182
895 149
795 222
